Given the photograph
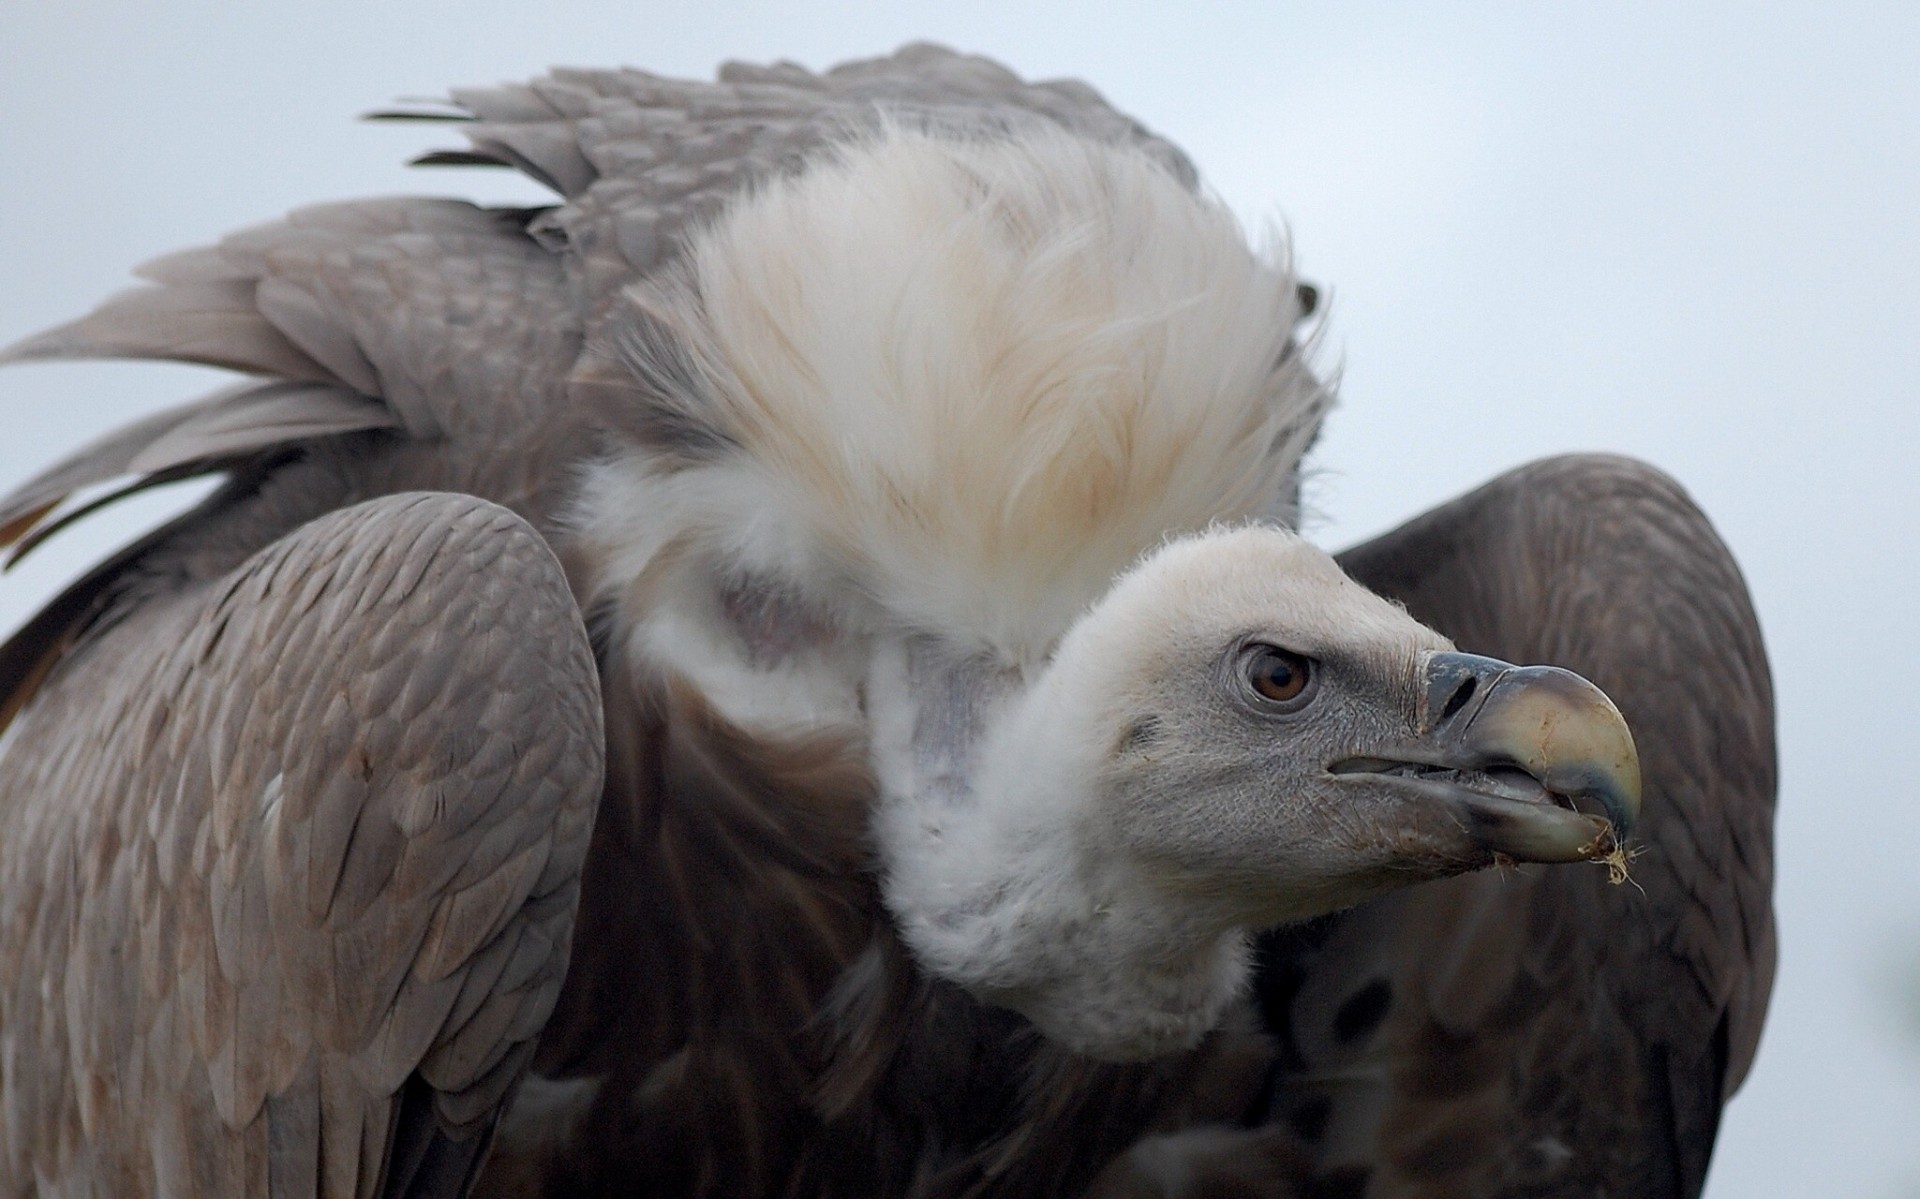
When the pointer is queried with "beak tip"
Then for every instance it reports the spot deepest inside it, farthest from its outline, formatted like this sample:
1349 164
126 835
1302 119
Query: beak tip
1555 725
1613 785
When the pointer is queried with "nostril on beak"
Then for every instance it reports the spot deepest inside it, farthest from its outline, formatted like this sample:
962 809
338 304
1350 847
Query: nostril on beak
1454 681
1459 698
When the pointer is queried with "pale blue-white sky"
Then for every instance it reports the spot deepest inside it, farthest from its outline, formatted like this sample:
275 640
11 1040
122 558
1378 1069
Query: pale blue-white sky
1685 232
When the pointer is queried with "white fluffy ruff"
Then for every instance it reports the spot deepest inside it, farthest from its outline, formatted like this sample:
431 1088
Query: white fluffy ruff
977 378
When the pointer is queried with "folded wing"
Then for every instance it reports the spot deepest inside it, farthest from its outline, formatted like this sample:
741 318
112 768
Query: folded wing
1539 1030
298 855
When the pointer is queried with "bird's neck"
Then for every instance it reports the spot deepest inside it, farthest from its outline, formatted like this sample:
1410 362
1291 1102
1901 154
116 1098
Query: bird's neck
1000 880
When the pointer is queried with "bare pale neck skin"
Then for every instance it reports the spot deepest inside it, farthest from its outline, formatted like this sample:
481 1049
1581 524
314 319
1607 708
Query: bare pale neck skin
1001 880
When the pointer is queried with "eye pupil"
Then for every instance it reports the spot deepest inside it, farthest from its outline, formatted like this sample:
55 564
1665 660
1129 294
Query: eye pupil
1278 675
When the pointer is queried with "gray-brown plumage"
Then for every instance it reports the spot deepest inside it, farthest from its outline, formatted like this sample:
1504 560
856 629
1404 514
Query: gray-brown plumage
849 409
278 863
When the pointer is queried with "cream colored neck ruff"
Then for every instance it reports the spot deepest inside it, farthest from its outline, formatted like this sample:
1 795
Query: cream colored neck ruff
971 381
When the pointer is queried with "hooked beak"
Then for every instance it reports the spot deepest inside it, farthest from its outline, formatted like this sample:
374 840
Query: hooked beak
1533 762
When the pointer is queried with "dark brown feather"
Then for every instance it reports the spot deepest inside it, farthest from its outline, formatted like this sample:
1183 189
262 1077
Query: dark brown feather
1538 1031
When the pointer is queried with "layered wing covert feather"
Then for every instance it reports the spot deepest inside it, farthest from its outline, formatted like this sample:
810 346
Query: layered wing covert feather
292 920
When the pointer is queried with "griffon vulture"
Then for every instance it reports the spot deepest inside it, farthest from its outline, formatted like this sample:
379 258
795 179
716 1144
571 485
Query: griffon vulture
787 673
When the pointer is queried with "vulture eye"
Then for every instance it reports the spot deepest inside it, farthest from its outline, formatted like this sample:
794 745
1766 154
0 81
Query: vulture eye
1276 676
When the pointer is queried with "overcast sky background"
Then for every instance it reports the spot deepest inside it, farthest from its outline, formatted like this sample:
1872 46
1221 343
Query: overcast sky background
1685 232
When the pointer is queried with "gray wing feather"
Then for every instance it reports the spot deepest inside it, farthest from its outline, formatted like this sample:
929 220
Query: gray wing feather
253 417
439 321
640 159
230 424
301 848
428 305
211 323
96 462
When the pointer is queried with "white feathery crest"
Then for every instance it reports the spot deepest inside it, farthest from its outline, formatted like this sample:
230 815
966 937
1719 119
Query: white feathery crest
978 378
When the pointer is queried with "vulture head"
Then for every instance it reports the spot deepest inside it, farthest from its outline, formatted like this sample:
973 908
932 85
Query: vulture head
979 453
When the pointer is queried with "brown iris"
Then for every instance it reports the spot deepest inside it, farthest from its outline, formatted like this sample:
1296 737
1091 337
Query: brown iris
1276 675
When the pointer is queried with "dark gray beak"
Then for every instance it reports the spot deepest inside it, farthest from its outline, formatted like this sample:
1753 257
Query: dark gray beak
1534 762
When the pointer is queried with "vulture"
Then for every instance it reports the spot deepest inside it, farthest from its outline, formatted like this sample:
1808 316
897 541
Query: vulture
789 671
